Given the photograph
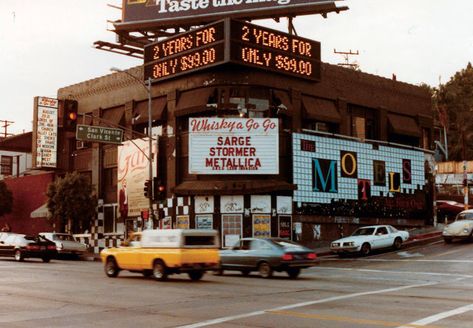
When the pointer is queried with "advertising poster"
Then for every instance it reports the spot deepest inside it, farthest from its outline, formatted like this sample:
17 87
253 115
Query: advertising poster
231 229
261 226
260 204
166 223
233 145
231 204
204 221
285 226
203 204
133 171
182 222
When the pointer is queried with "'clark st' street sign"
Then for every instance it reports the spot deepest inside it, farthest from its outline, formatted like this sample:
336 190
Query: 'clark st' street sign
99 134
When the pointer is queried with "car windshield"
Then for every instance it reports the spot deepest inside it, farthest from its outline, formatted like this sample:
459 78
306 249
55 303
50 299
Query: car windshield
284 243
363 232
464 216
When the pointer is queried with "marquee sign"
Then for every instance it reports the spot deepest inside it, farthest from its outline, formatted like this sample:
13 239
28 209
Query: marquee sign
233 146
173 13
46 132
235 42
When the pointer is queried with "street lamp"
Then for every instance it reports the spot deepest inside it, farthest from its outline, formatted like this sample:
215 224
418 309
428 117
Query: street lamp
150 151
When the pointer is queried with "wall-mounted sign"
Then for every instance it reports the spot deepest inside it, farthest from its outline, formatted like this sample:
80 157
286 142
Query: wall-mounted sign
165 14
99 134
46 127
204 221
260 204
284 205
231 204
233 146
203 204
261 226
182 222
236 42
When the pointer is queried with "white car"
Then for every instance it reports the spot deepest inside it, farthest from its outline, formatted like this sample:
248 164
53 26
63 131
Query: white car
462 228
365 239
65 243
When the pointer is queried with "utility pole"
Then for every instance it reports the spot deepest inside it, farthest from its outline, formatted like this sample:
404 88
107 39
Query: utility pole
346 55
5 126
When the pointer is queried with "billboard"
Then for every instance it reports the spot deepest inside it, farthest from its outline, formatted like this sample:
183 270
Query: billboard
45 126
172 13
233 145
133 171
231 41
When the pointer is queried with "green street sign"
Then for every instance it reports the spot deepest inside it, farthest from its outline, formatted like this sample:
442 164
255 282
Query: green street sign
99 134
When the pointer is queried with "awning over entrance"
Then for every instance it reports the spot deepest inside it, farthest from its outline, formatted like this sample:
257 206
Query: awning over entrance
194 101
320 110
158 106
40 212
232 187
404 125
113 115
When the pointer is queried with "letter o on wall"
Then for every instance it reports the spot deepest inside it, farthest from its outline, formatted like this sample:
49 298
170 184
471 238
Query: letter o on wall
348 164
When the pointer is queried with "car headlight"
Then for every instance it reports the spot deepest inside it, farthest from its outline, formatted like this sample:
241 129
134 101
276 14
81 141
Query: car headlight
335 244
349 244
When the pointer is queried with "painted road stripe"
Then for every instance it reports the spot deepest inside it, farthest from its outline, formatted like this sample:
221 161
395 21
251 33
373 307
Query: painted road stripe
292 306
357 321
439 316
402 272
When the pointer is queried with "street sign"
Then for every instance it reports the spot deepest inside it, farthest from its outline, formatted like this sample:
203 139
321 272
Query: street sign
99 134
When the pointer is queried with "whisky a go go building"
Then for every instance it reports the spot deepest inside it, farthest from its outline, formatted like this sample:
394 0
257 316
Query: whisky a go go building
253 135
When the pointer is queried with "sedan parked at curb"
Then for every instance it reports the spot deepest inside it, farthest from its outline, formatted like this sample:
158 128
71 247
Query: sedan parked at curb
365 239
266 255
65 243
22 246
462 228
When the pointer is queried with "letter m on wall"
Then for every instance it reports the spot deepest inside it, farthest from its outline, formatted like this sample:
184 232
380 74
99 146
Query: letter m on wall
324 175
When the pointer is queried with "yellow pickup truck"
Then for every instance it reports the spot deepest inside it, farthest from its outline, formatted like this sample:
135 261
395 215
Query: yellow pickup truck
159 253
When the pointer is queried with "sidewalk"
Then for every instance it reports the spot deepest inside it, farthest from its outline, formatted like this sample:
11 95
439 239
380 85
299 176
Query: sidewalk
417 237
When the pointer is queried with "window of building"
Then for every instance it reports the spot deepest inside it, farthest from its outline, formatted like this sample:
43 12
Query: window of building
363 122
6 165
321 126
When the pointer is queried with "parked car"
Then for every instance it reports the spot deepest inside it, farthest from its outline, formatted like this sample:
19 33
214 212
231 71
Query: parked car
22 246
462 228
4 235
365 239
65 243
266 255
159 253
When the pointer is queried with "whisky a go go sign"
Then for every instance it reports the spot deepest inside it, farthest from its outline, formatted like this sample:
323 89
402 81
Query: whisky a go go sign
233 146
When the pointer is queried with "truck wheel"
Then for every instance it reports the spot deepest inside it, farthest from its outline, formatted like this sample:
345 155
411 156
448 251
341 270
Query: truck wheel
265 270
111 268
195 275
159 271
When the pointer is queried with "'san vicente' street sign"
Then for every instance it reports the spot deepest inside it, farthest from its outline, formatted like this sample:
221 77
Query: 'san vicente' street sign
99 134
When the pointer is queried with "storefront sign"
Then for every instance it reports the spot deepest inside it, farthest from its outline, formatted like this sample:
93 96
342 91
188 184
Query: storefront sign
164 14
46 132
261 226
231 204
133 171
233 146
203 204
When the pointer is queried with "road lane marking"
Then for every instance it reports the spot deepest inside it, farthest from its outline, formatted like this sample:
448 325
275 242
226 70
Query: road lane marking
440 316
403 272
327 317
296 305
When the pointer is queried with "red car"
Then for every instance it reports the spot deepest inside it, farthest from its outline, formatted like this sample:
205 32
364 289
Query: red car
22 246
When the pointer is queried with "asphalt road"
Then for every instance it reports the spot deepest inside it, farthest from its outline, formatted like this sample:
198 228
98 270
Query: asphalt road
430 285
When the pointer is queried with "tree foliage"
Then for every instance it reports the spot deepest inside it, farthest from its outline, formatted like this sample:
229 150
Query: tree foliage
454 104
72 198
6 199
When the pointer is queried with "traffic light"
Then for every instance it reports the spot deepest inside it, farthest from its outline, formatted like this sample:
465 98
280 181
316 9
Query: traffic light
70 115
159 189
148 189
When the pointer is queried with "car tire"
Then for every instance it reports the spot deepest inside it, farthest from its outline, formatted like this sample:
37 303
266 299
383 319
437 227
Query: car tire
19 256
397 243
293 272
265 270
365 249
195 275
111 268
447 240
159 270
245 272
46 259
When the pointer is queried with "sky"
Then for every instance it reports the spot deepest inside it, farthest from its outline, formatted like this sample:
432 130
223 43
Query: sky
46 45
